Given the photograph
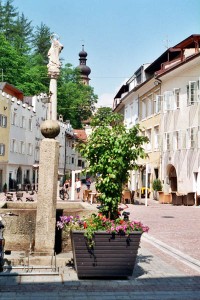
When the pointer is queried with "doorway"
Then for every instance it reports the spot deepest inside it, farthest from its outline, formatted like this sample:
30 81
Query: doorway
172 178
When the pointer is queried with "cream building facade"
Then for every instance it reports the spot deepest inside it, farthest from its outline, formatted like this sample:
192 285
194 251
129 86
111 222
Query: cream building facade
169 114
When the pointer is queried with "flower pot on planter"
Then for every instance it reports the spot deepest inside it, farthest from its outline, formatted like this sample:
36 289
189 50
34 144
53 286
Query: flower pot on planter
112 255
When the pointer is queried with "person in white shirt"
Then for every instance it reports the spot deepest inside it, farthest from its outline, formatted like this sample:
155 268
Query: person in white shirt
78 187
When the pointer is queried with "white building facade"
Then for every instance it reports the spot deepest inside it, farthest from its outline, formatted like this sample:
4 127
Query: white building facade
19 169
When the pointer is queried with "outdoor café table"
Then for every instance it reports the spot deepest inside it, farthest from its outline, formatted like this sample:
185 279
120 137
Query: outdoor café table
92 194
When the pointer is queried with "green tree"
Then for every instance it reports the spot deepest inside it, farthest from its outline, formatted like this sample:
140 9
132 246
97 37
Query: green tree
9 20
75 100
23 34
1 17
10 61
33 79
104 116
112 151
41 42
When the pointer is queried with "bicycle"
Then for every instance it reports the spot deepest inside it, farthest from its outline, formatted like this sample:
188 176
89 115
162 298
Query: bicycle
2 239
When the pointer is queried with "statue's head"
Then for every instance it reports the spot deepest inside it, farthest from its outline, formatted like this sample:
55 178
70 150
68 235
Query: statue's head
55 42
58 45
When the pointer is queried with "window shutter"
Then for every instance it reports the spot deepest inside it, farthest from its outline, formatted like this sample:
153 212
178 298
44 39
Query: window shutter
160 142
183 139
176 96
192 92
198 137
188 97
158 103
198 90
188 138
5 122
193 137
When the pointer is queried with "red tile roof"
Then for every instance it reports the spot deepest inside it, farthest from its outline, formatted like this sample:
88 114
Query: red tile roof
80 134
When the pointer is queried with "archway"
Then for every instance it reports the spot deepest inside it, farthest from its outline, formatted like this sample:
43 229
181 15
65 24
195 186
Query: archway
172 178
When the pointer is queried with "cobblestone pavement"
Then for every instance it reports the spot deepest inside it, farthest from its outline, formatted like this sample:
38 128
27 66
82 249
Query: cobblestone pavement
156 276
168 264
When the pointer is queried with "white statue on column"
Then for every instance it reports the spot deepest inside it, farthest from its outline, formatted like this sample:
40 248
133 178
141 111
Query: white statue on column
53 55
53 66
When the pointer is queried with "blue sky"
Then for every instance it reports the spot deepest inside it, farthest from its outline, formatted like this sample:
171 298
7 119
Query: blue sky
119 35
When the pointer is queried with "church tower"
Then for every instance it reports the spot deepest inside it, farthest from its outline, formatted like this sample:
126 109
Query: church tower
84 70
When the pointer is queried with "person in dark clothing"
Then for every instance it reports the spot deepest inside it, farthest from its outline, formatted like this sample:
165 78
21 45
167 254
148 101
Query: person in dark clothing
88 183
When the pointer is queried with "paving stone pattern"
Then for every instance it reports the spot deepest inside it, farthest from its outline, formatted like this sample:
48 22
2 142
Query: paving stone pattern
158 273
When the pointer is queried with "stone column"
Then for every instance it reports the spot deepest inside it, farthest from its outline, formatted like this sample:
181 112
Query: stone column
53 87
47 196
48 167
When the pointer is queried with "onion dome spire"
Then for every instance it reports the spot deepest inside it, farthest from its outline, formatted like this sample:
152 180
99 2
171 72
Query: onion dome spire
84 69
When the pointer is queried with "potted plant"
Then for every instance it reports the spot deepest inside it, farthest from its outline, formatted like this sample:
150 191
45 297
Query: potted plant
111 152
99 242
157 187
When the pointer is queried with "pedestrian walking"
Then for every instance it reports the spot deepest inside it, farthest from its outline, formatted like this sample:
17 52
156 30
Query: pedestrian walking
78 187
66 190
88 183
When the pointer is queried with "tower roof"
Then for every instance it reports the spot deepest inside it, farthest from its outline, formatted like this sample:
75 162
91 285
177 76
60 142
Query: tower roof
84 69
82 53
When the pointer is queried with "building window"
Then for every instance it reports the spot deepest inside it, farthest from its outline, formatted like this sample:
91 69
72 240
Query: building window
192 134
150 105
72 160
168 141
23 122
177 97
193 137
147 106
148 134
13 145
156 137
3 121
177 140
14 118
30 124
183 139
79 163
131 114
144 109
157 104
193 92
37 154
168 101
22 147
30 149
2 149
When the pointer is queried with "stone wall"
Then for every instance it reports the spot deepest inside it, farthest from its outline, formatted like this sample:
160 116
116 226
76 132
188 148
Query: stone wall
19 230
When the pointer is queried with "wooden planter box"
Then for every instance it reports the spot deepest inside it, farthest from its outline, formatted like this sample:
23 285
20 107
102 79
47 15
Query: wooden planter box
165 198
177 199
112 256
189 199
